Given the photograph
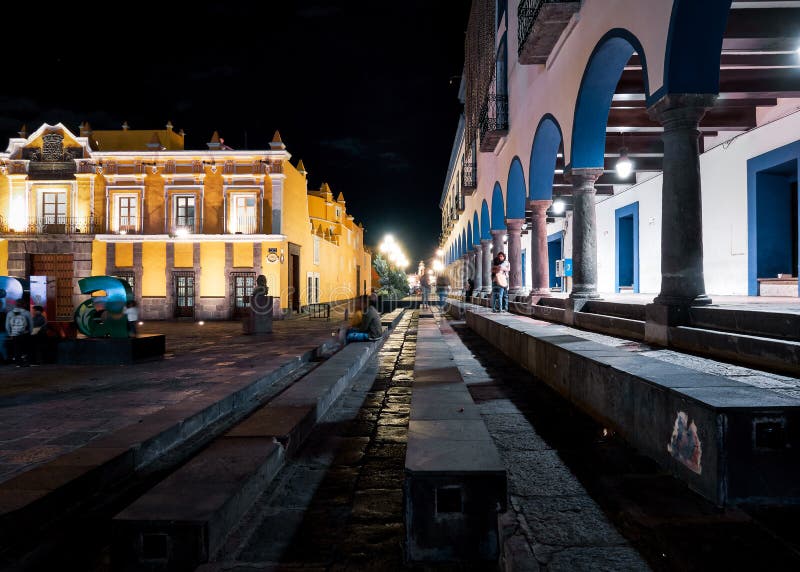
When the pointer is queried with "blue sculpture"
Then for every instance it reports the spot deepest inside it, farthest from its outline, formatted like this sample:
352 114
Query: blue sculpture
102 315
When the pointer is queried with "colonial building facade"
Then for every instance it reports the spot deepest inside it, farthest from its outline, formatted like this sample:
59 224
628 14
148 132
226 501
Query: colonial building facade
700 98
190 230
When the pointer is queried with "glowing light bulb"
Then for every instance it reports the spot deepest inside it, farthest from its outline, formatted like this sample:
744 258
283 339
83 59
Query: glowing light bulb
558 206
624 165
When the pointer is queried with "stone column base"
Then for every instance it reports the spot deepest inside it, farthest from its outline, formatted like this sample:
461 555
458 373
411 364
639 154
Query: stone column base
659 318
574 305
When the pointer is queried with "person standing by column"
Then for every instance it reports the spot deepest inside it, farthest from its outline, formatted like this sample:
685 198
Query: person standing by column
500 270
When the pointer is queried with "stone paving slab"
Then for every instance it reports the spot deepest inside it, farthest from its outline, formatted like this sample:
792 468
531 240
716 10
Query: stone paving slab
49 410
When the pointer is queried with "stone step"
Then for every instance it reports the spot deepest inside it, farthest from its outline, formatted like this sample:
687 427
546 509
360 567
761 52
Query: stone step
750 322
391 319
183 520
777 355
611 325
615 309
32 500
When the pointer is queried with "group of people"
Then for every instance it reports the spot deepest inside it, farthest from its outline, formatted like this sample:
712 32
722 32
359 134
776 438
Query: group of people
25 336
442 287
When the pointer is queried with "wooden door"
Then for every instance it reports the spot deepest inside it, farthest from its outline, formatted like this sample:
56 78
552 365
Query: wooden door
59 267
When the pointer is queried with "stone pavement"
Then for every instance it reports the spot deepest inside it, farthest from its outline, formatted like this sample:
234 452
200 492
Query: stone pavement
338 505
585 500
49 410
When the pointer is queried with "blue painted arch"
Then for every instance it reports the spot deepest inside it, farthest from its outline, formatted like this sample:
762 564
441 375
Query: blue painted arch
547 140
694 47
476 229
468 238
516 191
498 209
486 222
599 82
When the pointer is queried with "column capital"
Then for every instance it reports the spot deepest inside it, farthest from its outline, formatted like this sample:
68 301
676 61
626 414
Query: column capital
514 225
498 232
583 179
681 110
478 247
485 242
539 206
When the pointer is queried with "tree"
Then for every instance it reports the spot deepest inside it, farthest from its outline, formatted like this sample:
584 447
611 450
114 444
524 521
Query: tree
393 281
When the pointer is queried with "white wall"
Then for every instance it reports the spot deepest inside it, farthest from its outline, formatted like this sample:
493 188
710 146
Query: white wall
723 172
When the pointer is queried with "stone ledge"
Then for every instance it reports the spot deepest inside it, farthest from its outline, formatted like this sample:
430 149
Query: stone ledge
740 430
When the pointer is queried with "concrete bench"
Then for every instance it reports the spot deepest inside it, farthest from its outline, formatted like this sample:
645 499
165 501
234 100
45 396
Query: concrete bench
183 520
455 481
729 441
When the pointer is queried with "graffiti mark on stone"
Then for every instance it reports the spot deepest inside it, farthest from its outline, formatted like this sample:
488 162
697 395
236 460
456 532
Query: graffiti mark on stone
684 445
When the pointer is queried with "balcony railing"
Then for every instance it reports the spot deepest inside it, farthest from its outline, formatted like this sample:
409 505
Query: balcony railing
469 176
493 120
52 224
243 225
541 23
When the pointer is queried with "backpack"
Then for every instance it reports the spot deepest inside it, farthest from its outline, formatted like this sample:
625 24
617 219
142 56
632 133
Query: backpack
18 325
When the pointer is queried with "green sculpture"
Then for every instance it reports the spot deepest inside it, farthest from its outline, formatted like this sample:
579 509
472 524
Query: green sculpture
102 315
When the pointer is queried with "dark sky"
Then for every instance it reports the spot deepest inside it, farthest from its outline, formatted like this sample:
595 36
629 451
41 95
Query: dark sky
364 92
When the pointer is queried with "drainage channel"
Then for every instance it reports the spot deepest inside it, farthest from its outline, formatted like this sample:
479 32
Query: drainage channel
338 503
583 499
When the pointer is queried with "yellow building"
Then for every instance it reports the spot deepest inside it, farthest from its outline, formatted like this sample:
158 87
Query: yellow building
190 230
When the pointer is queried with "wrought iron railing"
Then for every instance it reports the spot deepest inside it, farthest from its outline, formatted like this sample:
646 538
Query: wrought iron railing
52 224
469 170
494 114
527 12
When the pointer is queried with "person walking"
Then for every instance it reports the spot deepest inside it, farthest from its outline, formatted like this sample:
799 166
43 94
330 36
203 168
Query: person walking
442 288
38 337
500 270
133 318
425 287
19 325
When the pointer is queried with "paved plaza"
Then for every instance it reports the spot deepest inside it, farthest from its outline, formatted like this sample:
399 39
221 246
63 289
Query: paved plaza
49 410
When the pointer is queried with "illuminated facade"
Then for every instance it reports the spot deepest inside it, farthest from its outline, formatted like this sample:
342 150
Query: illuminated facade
190 230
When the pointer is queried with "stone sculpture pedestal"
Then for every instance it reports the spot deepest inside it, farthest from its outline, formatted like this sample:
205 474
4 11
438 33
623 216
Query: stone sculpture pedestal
259 321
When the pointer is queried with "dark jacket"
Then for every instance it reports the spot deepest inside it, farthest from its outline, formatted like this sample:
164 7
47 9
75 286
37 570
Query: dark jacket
371 323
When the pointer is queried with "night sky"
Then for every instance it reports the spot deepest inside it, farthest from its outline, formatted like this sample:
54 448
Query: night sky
364 92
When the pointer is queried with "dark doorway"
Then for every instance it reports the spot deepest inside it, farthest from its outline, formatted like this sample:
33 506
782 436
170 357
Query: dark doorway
554 253
184 294
242 284
58 267
627 246
294 277
776 226
358 281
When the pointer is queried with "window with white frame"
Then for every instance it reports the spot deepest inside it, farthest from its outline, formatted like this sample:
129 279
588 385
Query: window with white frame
54 207
127 218
243 214
316 250
313 287
184 212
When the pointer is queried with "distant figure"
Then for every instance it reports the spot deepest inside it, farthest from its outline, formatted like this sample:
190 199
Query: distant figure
425 286
500 270
19 325
38 335
470 289
133 318
442 288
